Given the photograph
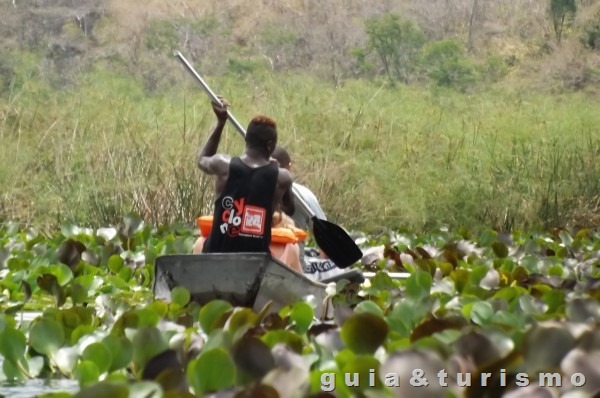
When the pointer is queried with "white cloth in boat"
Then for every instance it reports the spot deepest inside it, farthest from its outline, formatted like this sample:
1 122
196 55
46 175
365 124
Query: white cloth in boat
317 269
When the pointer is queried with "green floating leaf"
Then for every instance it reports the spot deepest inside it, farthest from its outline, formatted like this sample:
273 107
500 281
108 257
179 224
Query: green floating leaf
115 263
79 294
566 238
117 282
147 343
99 354
214 370
121 351
50 285
103 390
302 315
211 314
180 296
15 264
418 285
125 274
482 313
288 338
86 373
500 249
369 306
12 345
241 320
363 333
12 371
46 336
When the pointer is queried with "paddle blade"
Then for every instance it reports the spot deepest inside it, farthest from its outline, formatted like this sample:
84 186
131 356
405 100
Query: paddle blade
336 243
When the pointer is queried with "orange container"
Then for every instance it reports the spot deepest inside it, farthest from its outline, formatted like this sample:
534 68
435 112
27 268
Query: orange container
205 225
278 235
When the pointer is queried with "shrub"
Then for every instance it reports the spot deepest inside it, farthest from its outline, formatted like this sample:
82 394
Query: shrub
444 62
397 44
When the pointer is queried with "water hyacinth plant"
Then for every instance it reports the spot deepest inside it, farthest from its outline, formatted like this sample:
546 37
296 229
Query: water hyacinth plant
479 316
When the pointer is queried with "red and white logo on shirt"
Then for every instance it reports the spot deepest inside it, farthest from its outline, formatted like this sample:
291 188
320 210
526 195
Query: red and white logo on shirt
253 221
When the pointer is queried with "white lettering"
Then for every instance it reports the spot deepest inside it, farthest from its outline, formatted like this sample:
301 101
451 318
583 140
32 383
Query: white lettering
392 380
578 379
354 382
553 380
224 227
442 375
328 382
522 380
484 378
372 378
466 382
418 379
502 377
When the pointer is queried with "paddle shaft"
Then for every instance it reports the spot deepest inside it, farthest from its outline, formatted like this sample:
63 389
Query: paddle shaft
233 120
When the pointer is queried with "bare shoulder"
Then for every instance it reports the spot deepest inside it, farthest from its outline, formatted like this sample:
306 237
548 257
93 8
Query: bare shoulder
221 159
215 164
285 178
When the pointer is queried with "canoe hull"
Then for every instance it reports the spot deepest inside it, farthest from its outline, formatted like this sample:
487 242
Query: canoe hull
243 279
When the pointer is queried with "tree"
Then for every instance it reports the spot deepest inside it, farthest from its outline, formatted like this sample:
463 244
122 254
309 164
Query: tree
397 44
563 13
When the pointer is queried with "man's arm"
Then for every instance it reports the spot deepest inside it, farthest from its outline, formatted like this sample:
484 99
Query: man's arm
287 203
284 186
208 160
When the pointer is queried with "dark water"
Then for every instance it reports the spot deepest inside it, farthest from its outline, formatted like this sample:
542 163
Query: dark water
36 387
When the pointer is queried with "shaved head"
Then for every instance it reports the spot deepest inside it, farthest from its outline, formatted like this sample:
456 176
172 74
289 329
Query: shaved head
282 156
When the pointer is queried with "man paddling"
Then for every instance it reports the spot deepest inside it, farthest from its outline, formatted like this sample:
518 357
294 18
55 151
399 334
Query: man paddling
248 188
316 266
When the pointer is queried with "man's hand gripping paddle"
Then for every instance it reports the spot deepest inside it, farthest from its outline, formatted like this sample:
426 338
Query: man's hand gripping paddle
331 238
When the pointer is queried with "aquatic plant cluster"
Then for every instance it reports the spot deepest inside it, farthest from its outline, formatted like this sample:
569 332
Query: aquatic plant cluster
491 315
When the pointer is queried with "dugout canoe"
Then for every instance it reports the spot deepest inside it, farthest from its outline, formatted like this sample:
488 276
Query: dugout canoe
242 279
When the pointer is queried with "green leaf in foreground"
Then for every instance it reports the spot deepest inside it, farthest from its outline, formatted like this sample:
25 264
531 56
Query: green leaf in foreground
369 306
180 296
302 315
99 354
147 343
46 336
115 263
121 350
12 344
104 389
419 284
87 373
214 370
482 312
211 313
363 333
292 340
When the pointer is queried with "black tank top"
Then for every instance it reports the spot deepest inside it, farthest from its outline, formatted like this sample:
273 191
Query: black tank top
243 214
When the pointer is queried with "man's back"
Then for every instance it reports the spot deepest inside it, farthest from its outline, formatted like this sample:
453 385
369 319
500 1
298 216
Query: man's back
244 210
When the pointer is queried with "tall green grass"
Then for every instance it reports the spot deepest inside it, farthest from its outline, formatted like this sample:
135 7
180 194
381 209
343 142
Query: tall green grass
377 157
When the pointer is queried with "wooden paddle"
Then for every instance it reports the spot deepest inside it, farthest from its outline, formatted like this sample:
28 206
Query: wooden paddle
331 238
